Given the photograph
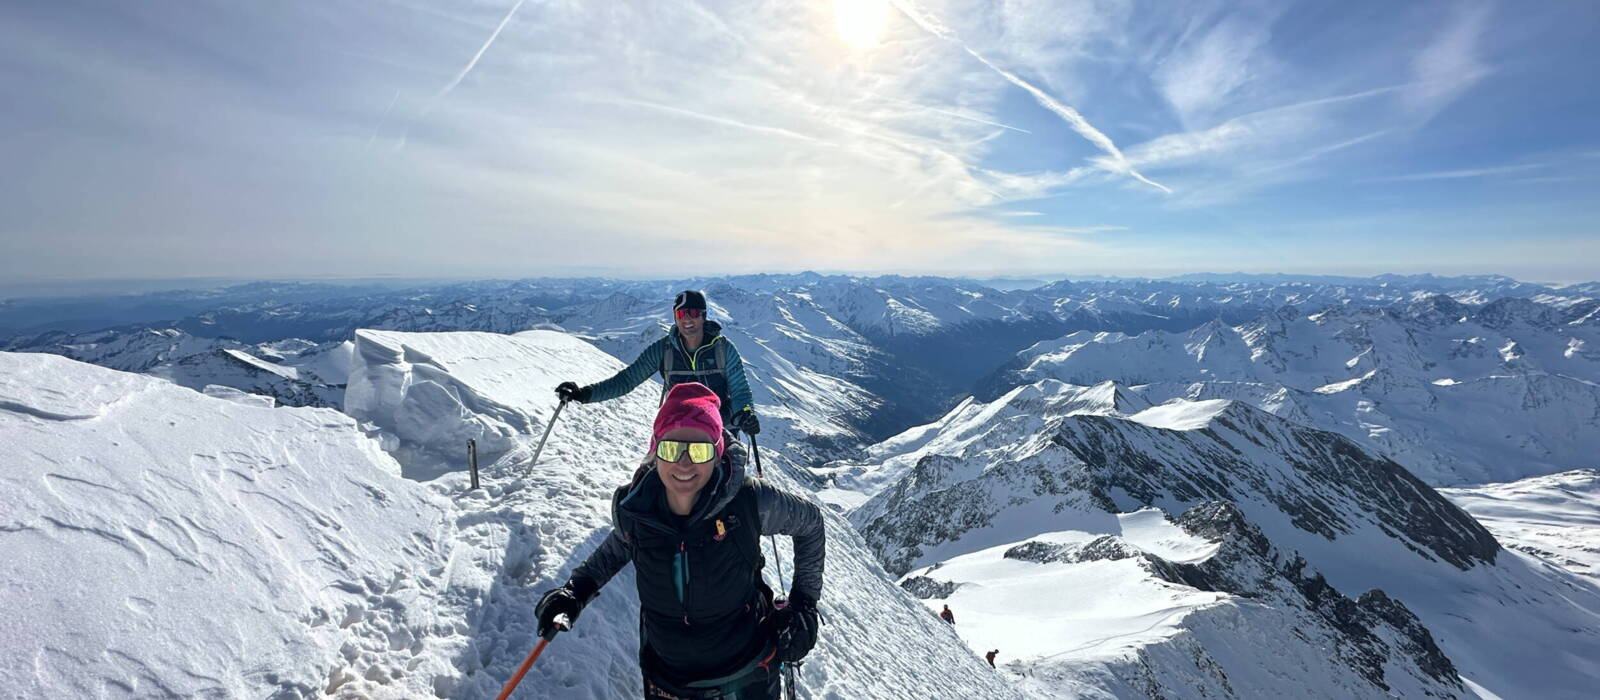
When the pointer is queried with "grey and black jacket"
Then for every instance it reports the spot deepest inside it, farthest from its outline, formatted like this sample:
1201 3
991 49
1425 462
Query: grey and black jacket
716 364
702 603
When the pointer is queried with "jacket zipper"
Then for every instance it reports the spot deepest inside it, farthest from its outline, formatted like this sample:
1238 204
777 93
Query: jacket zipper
683 579
694 357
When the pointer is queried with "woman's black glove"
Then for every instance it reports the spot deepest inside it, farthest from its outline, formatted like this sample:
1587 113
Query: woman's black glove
567 600
746 421
796 624
570 391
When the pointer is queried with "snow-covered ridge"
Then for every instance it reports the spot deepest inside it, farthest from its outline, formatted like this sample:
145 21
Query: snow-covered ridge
878 643
1314 535
292 372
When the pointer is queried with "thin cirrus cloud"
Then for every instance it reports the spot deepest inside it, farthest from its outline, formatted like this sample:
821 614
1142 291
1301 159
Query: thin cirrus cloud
1460 174
1114 160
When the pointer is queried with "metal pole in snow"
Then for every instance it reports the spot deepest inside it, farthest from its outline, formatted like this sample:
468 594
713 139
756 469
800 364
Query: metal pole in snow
755 450
547 428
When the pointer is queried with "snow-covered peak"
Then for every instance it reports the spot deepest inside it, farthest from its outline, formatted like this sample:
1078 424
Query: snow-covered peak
1181 415
1456 393
1303 521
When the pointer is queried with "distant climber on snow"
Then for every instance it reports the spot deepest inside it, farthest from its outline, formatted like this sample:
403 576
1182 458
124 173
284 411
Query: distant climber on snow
948 616
690 523
990 657
694 350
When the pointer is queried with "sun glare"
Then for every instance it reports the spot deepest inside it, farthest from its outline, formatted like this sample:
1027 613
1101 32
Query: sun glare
861 22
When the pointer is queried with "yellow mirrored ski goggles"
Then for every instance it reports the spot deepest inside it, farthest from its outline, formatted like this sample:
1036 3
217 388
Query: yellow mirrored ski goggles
699 452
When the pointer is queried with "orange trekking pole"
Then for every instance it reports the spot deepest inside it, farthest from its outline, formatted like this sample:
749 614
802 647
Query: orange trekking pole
560 624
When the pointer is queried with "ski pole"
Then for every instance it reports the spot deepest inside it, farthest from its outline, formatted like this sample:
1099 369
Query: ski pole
547 428
561 624
755 450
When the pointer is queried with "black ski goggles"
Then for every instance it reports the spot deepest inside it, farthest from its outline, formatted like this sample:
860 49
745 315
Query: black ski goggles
690 313
699 452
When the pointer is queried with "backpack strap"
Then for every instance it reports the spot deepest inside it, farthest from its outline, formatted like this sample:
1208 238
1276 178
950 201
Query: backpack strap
669 357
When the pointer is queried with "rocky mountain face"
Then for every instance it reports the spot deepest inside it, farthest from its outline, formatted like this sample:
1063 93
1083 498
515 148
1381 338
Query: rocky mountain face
1059 509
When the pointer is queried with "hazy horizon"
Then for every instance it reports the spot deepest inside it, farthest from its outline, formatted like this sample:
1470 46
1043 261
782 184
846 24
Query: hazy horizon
61 288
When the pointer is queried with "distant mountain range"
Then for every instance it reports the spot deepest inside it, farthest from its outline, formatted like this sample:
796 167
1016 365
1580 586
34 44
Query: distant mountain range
840 362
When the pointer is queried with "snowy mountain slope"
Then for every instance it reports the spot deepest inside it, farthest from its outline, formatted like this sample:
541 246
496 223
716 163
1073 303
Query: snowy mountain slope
1203 606
1456 393
1062 477
879 642
129 350
237 369
292 372
965 432
156 542
1554 517
165 543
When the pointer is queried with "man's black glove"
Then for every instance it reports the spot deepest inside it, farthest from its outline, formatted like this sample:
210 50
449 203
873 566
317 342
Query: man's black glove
746 421
796 624
567 600
570 391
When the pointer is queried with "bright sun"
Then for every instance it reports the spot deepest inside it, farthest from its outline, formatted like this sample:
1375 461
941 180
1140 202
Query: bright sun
861 22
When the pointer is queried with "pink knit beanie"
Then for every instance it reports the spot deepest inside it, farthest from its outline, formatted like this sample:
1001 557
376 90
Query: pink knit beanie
689 405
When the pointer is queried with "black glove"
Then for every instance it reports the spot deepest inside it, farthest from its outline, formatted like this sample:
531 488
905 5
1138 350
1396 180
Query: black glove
567 600
746 421
796 624
570 391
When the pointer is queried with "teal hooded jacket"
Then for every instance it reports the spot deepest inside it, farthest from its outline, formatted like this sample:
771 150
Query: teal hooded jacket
733 389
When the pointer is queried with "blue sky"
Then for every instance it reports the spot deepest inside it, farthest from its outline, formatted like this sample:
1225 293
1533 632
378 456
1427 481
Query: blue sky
1023 137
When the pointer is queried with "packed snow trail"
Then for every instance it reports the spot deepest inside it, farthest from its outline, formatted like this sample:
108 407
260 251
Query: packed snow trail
877 643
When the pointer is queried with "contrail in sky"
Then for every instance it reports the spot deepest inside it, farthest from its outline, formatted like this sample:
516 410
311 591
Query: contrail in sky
479 54
382 119
434 102
1118 162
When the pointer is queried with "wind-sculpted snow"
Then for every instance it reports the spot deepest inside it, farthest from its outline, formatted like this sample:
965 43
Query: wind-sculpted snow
432 407
160 543
1456 393
1036 497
